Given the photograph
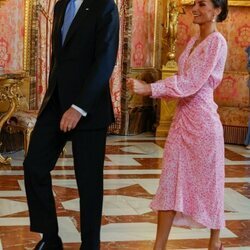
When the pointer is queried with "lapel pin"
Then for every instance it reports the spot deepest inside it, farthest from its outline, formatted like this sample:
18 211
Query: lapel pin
87 9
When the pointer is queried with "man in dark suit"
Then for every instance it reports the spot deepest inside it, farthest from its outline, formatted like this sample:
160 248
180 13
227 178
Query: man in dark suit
77 107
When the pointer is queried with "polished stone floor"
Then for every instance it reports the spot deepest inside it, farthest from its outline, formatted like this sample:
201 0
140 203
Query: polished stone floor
132 170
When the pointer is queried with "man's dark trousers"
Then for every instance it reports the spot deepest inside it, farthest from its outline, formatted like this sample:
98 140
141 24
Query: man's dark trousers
88 146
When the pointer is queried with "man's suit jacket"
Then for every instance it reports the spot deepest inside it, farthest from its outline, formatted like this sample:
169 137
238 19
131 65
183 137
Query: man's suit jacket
81 67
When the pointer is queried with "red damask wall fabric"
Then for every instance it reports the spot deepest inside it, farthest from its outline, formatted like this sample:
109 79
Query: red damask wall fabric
12 34
236 30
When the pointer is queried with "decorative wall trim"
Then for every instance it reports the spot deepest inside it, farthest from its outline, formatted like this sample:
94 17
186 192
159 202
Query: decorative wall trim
230 2
27 35
239 3
125 66
33 50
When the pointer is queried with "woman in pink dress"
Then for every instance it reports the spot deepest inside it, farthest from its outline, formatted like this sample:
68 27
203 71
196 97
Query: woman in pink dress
191 189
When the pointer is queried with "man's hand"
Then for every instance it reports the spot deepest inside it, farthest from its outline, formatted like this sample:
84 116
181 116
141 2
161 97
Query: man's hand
139 87
70 119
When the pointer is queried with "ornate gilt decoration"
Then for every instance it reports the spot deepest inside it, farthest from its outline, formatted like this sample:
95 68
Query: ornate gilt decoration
239 3
171 31
27 35
170 27
230 2
187 2
9 93
167 108
2 1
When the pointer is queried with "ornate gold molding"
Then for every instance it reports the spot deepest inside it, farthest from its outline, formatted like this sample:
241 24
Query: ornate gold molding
2 1
158 18
27 35
187 2
230 2
239 3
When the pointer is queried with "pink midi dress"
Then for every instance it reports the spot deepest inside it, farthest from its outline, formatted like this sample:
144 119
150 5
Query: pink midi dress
192 179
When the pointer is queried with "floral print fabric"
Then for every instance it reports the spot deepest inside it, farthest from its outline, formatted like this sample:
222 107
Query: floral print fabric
192 179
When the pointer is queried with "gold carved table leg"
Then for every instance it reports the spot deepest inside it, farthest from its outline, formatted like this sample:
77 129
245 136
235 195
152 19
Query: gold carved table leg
9 92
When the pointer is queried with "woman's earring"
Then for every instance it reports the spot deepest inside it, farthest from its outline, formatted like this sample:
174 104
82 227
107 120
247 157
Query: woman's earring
214 19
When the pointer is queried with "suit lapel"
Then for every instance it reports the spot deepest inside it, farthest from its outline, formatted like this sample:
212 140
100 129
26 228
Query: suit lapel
82 13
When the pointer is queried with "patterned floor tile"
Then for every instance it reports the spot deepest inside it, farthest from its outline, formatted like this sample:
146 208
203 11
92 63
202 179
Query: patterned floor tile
132 171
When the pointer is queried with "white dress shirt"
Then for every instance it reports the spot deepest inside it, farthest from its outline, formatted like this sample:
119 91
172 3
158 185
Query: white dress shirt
78 4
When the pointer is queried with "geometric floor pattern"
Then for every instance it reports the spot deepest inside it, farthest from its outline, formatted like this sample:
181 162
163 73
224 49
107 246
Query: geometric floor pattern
131 176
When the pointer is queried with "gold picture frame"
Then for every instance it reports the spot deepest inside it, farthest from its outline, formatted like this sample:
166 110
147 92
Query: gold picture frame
230 2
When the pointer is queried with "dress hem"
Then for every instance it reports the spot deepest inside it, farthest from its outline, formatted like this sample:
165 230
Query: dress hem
186 220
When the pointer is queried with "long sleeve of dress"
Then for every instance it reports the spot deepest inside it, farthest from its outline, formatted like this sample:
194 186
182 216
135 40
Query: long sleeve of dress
196 74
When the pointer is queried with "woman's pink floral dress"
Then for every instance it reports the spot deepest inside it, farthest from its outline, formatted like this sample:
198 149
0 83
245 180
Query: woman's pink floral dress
192 179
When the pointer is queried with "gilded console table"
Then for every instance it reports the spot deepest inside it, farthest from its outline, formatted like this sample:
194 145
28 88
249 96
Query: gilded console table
9 96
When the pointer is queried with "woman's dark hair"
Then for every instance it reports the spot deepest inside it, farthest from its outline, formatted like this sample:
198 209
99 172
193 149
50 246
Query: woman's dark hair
224 9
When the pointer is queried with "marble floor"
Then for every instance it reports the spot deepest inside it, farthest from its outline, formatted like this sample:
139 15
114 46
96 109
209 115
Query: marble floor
132 170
